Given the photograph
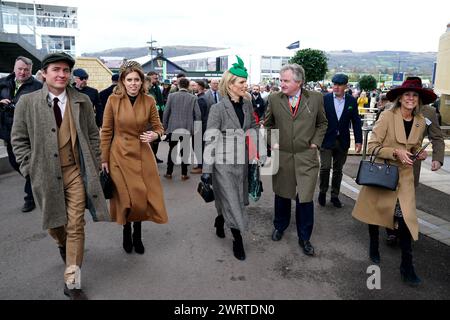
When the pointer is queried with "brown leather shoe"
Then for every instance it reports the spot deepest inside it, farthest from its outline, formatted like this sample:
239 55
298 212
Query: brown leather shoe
74 294
184 178
196 171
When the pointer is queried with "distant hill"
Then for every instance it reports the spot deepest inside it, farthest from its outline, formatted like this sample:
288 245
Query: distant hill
169 51
385 62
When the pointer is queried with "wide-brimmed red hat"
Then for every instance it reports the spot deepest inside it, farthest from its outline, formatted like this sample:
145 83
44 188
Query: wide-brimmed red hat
413 84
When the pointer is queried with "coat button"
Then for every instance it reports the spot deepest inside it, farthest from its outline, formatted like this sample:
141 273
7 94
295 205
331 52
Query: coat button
59 178
53 130
55 155
95 196
26 158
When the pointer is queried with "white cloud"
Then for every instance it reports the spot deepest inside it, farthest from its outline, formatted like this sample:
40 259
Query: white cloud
327 25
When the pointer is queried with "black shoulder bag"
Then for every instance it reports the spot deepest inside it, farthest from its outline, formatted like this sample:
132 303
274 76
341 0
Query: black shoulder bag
381 175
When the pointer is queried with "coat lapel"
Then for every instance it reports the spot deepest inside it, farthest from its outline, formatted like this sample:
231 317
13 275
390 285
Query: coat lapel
75 108
304 104
400 134
332 107
285 104
247 115
417 129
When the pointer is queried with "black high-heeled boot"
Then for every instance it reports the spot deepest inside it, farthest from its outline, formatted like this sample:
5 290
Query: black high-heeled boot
137 238
407 271
238 246
218 224
127 241
374 254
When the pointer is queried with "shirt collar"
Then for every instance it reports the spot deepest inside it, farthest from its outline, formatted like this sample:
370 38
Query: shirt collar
343 97
298 94
62 97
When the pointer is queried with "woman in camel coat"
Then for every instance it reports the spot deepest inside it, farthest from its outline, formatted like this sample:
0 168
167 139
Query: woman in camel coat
399 133
127 156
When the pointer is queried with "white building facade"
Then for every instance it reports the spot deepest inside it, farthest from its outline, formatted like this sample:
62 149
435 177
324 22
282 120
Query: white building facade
263 66
46 24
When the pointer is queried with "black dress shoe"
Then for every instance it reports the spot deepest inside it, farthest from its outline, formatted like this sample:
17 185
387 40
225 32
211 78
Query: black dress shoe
308 249
277 235
336 202
159 160
28 206
322 199
62 252
74 294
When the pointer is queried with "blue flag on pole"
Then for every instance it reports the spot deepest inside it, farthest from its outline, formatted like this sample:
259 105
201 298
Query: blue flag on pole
294 45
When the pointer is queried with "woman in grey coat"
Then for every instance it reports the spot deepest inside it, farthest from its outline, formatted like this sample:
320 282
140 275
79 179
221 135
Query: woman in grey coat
226 160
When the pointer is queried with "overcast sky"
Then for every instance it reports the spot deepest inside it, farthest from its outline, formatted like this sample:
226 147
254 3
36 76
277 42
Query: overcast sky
359 25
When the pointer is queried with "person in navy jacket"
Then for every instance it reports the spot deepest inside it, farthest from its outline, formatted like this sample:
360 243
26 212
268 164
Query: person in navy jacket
341 109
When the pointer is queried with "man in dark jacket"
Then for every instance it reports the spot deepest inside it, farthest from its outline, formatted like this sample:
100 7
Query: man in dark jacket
12 87
204 106
259 106
104 94
81 77
341 110
156 93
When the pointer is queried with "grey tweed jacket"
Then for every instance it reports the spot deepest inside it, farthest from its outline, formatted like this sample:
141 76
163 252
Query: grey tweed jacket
181 111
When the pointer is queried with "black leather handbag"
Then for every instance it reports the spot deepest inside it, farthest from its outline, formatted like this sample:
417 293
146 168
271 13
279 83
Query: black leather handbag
381 175
107 184
206 192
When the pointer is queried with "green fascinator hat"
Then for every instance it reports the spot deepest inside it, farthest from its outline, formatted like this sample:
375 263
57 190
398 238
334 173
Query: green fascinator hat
238 69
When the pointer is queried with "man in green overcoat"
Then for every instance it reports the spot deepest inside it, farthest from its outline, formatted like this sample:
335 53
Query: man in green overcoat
300 119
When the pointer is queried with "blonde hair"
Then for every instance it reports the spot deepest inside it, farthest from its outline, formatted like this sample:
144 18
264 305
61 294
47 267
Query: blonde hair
120 88
224 86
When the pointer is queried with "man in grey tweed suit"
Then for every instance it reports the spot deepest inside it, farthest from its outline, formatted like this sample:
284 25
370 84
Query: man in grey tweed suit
181 111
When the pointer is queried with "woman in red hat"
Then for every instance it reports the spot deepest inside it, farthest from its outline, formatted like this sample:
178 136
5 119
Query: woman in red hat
399 133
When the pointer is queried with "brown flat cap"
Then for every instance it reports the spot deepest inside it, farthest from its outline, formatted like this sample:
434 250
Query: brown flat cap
57 57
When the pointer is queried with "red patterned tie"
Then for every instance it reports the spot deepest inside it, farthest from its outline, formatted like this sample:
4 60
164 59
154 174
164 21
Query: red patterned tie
57 112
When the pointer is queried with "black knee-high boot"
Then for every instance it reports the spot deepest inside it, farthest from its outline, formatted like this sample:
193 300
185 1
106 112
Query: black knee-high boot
374 254
127 242
137 238
407 271
238 246
219 224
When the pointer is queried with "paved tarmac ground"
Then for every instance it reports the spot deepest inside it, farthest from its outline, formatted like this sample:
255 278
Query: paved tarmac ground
184 259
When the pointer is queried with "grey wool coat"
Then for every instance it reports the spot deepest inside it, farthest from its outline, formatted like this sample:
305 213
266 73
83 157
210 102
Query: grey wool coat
35 143
299 163
229 179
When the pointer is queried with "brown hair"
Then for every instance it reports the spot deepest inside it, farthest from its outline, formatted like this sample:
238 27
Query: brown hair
120 88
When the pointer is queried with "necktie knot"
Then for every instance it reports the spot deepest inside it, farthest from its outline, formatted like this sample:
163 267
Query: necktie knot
57 112
293 103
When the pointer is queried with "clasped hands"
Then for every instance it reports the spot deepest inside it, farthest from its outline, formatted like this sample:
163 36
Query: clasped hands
149 137
406 157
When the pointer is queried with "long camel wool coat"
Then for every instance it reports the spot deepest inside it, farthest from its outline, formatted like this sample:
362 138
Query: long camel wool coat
375 205
138 194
